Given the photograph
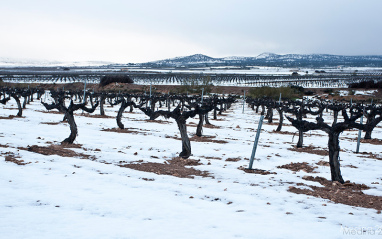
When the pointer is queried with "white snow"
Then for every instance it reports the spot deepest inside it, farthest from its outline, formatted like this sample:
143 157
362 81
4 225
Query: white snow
60 197
356 92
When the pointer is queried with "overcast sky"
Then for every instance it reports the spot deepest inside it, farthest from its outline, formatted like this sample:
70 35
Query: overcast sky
146 30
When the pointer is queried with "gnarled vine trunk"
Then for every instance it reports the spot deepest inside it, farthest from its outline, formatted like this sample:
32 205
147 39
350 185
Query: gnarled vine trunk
300 138
186 145
281 120
119 115
199 128
73 127
334 157
20 113
101 104
206 119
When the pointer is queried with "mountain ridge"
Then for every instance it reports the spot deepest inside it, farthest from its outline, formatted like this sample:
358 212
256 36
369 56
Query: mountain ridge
270 59
201 60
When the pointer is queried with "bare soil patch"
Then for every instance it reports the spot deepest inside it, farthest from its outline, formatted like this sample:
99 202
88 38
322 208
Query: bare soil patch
323 163
211 126
304 166
273 123
11 157
310 149
371 156
217 158
175 167
54 123
208 139
7 117
95 116
233 159
191 124
11 117
152 121
372 141
57 150
256 171
348 193
158 121
283 132
128 131
73 146
118 130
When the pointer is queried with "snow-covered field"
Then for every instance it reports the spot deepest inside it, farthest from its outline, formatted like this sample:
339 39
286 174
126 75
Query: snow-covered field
61 197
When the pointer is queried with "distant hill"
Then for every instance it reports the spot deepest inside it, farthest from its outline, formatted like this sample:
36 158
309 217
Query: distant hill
200 60
270 59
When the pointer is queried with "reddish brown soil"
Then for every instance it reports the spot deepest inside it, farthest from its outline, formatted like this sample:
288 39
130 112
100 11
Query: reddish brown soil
372 141
371 156
58 150
95 116
126 131
158 121
208 139
283 132
273 123
174 167
9 117
348 193
304 166
310 149
54 123
217 158
10 157
233 159
152 121
323 163
256 171
211 126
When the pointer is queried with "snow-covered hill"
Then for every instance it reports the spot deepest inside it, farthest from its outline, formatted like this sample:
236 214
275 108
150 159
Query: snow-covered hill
271 59
200 60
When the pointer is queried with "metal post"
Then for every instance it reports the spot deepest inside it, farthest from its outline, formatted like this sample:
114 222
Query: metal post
84 91
256 142
202 95
243 102
359 136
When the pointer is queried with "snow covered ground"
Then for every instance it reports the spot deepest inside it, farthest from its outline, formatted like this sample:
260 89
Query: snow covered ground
62 197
